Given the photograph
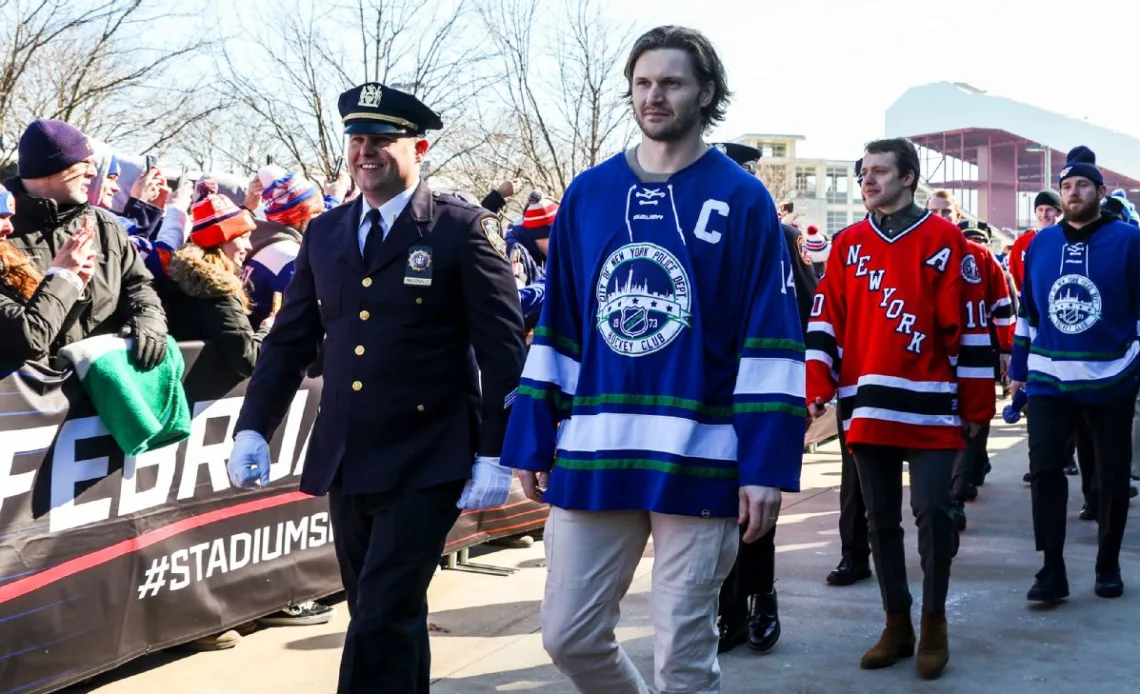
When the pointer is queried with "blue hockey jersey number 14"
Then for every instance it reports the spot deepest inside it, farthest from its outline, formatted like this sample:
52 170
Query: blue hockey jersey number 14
667 366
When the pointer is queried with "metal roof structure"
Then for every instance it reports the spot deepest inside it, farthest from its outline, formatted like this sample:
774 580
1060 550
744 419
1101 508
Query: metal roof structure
1000 152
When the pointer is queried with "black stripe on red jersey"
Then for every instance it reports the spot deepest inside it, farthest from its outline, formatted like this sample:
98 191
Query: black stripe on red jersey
823 342
900 400
976 356
1002 312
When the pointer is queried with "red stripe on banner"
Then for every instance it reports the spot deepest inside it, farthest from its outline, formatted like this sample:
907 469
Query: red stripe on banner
89 561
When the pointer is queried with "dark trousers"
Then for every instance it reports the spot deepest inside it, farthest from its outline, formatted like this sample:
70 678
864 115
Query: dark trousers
852 511
880 475
1052 422
388 546
754 573
1086 462
970 467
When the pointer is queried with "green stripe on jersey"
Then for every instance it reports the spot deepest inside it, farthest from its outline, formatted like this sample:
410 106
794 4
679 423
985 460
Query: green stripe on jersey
559 340
773 343
645 464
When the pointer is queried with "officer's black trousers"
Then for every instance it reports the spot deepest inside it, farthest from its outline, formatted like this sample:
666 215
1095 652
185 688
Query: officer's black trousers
388 546
852 510
1052 423
752 574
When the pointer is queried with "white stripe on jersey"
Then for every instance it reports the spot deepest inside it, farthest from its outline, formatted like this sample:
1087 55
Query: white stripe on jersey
767 376
922 420
1065 370
546 365
900 383
615 431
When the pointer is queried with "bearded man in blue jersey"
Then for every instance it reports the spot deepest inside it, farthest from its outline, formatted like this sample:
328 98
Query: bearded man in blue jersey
664 392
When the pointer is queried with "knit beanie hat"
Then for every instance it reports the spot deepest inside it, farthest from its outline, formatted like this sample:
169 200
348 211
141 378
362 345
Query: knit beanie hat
1048 197
114 169
817 245
216 218
1081 161
50 146
289 199
539 215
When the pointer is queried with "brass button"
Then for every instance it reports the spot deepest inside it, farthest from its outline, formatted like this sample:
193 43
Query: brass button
366 282
420 408
357 385
365 315
419 299
359 350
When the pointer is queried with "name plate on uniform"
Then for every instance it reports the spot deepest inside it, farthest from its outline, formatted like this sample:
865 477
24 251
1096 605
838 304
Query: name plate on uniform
418 271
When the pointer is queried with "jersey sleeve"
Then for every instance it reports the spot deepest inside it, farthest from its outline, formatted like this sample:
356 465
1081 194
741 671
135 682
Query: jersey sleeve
768 400
1026 327
550 377
825 330
1000 305
961 306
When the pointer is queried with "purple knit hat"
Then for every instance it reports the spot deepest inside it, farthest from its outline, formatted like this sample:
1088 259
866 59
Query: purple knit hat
50 146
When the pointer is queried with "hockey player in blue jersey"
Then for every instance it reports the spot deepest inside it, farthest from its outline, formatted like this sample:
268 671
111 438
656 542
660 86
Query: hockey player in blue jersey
1077 353
664 393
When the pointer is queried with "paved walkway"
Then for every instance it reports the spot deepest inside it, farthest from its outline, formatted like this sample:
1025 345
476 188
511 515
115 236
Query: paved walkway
489 641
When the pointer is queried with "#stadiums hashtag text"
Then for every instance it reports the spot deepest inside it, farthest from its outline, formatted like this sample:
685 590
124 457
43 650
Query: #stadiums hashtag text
183 567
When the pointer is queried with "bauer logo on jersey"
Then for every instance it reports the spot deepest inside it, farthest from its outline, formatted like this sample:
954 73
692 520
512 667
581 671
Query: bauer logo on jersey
1074 304
970 271
644 297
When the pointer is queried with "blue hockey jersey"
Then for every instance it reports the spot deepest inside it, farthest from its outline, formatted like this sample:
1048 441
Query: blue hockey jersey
667 368
1077 331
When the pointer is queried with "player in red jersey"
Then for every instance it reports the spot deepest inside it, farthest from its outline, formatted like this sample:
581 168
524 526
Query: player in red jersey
889 333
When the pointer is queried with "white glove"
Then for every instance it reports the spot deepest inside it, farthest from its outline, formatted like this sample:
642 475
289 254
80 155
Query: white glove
489 486
248 465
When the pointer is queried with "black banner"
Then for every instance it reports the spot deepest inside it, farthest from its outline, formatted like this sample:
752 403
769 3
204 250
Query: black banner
104 558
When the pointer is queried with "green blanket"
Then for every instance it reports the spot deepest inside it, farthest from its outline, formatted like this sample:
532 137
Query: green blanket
143 410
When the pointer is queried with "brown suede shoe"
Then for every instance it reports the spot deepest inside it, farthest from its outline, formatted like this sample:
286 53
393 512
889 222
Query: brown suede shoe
896 643
933 647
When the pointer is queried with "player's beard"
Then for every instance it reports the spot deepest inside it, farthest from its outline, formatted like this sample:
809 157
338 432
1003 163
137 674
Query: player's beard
683 122
1081 211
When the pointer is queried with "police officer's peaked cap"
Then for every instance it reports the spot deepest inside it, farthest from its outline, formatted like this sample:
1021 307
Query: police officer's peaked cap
978 230
741 154
376 109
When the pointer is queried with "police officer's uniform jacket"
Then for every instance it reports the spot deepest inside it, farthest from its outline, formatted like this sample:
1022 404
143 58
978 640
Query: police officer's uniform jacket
401 405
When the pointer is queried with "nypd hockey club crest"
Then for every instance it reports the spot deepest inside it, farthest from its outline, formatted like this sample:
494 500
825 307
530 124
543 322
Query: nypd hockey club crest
1074 304
644 299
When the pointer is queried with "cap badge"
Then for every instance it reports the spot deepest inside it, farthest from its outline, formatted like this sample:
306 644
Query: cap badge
369 96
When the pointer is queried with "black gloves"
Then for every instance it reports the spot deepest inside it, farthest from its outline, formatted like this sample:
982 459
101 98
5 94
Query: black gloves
149 333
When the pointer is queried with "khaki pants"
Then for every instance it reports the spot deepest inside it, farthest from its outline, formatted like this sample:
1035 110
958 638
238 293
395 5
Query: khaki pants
591 558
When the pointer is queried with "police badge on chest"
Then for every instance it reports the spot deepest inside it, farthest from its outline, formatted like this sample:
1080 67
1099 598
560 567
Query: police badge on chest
418 271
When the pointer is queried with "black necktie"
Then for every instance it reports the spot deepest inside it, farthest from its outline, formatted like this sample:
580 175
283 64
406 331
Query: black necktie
375 236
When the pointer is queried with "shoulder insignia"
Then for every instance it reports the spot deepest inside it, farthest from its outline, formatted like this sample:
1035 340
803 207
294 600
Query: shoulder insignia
493 231
970 271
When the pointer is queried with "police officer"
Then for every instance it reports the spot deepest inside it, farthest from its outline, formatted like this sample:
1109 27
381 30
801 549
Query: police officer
414 300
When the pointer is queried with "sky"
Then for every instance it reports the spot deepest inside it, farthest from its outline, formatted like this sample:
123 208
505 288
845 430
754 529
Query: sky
829 69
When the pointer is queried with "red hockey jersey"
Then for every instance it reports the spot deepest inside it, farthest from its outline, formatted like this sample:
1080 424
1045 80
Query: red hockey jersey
990 306
890 334
1017 257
